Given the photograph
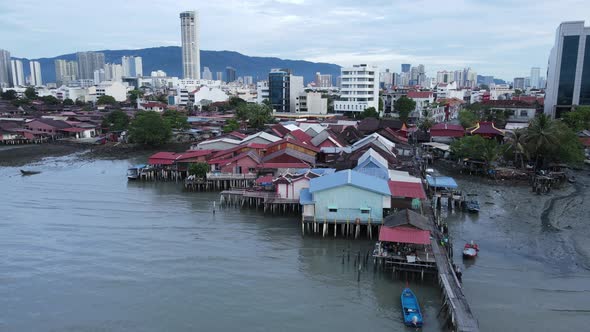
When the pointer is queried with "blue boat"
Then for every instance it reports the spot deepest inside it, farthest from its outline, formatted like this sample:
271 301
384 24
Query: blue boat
134 172
411 309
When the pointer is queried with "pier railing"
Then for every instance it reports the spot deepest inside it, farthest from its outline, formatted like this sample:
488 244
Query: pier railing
230 176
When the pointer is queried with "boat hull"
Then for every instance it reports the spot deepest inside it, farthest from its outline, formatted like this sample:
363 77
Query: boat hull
469 252
411 309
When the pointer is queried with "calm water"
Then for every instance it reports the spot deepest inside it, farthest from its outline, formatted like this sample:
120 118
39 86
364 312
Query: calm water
83 250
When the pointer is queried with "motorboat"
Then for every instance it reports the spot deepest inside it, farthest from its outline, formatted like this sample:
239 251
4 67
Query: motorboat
470 250
472 206
411 309
134 172
23 172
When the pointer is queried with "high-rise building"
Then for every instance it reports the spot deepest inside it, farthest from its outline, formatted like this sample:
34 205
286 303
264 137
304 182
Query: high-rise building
323 80
36 79
99 76
65 71
4 68
406 67
132 66
359 90
17 74
518 83
219 76
444 77
262 92
88 62
207 74
230 74
568 72
535 76
191 57
248 80
386 78
413 76
113 72
284 89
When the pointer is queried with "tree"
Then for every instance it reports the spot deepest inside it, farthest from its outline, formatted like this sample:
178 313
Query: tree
256 115
476 148
517 92
9 95
266 102
516 145
404 106
198 169
116 120
235 102
50 100
68 102
148 128
31 93
175 119
541 137
467 118
578 119
106 100
369 112
380 104
80 102
134 95
231 125
426 123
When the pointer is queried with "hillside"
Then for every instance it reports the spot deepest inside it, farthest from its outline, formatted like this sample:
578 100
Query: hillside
169 60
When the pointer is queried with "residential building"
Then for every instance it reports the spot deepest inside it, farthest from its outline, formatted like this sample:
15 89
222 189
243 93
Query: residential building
284 90
207 74
88 62
568 74
360 89
444 77
35 68
4 68
113 72
262 91
219 76
132 66
313 103
66 71
230 74
423 100
323 80
17 74
191 57
535 78
114 89
406 67
518 83
99 76
248 80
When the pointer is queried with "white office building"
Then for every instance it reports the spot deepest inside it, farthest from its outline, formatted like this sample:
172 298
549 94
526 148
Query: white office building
262 91
535 77
4 68
359 89
191 58
113 72
132 66
17 74
36 79
207 74
568 74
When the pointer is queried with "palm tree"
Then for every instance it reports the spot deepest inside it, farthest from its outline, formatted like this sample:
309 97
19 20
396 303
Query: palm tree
541 136
516 142
490 152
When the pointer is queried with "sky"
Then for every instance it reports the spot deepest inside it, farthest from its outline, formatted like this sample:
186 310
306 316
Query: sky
503 38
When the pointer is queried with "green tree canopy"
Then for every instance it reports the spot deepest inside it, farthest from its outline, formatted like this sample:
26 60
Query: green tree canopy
68 102
106 100
235 102
176 119
116 120
148 128
31 93
9 95
548 139
467 118
256 115
476 148
134 95
50 100
369 112
404 106
578 119
231 125
199 170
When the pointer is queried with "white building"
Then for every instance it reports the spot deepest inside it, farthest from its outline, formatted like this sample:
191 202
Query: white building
65 71
17 74
207 74
211 94
261 91
36 79
313 103
114 89
535 77
99 76
113 72
423 100
4 68
132 66
359 89
323 80
158 73
191 58
567 82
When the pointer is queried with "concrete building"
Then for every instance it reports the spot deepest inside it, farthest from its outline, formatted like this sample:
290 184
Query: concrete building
230 74
262 91
518 83
323 80
568 74
88 62
114 89
406 67
191 57
66 71
284 90
99 76
17 74
219 76
207 74
313 103
444 77
535 77
360 89
4 68
209 94
113 72
36 79
132 66
248 80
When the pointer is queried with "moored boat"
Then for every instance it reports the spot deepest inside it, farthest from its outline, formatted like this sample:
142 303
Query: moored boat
472 206
470 250
411 309
23 172
134 172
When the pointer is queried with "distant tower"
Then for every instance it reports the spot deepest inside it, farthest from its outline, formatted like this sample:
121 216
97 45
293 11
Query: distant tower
4 68
191 59
36 79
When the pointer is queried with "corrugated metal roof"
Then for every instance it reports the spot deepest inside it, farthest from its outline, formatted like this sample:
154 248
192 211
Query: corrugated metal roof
404 234
406 189
441 182
305 197
350 177
373 154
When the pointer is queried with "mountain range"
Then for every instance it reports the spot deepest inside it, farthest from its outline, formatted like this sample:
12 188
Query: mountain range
169 59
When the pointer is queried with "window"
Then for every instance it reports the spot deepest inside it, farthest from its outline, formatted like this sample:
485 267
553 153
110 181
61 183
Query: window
569 59
524 113
251 169
332 209
365 210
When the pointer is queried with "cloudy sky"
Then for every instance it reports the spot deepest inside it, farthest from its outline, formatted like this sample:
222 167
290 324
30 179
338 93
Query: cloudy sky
495 37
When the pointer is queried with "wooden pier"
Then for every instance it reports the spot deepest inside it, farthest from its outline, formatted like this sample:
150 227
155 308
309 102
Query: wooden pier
268 201
219 181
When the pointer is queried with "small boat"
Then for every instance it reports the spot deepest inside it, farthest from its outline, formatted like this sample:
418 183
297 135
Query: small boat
411 309
470 250
472 206
571 179
134 172
23 172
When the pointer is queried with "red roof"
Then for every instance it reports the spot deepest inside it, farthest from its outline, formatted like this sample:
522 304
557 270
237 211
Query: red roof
279 130
193 154
420 94
301 135
283 165
264 179
162 158
404 234
447 130
406 189
295 142
73 130
485 128
246 154
237 134
252 146
585 141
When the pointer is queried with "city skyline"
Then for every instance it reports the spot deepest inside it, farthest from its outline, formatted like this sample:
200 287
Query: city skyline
500 49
